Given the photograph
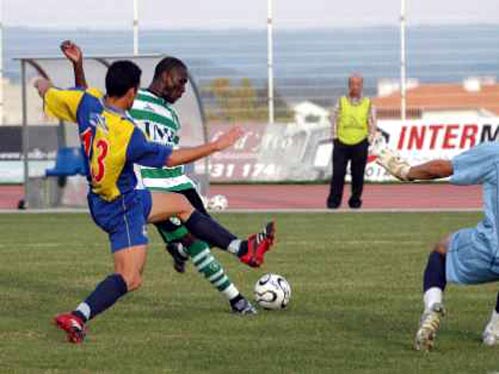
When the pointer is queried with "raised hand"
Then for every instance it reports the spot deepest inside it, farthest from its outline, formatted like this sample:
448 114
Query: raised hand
72 52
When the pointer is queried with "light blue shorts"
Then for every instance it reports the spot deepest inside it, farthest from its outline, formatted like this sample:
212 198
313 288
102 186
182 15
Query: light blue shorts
470 261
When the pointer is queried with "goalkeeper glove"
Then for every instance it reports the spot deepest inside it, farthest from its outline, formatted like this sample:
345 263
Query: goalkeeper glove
396 166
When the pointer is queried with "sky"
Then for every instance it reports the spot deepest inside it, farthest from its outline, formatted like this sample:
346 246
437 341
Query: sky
97 14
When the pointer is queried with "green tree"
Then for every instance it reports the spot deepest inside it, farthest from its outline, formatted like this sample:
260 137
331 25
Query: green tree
242 102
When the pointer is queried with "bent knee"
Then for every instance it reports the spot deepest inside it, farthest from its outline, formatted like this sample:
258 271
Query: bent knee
441 247
184 204
185 208
133 281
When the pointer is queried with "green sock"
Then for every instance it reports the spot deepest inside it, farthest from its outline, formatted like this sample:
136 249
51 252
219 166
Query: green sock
172 235
211 269
202 258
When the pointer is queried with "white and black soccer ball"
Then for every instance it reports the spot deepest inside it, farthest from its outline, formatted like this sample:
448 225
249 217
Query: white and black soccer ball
218 203
272 291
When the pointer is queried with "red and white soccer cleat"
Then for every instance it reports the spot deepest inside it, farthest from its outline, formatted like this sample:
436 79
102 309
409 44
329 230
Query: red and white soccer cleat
258 245
73 326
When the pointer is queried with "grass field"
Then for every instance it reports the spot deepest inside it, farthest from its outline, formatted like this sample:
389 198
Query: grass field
356 300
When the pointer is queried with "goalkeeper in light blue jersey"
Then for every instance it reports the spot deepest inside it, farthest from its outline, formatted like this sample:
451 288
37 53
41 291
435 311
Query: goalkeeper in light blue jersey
467 256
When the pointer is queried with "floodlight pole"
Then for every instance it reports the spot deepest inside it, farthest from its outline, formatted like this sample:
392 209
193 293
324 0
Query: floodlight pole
270 61
24 102
135 27
403 78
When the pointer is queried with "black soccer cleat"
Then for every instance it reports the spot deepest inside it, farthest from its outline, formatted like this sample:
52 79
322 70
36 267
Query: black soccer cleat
179 259
240 305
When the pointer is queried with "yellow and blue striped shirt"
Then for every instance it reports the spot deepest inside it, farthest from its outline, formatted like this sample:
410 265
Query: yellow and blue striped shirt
110 140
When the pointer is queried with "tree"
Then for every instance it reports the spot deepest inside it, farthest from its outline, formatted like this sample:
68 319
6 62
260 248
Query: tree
241 103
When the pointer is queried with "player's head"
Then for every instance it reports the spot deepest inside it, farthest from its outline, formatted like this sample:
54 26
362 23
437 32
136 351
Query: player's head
355 84
123 81
170 78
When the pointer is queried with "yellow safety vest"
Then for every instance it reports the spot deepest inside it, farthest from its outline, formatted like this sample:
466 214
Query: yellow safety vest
352 122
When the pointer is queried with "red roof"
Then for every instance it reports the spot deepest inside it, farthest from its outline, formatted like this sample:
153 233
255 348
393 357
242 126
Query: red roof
439 97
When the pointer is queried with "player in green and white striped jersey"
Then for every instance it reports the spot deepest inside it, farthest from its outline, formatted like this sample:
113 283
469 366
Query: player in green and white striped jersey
160 121
154 113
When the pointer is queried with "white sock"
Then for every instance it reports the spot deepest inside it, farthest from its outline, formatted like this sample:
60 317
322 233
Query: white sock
84 309
431 297
494 318
234 246
230 292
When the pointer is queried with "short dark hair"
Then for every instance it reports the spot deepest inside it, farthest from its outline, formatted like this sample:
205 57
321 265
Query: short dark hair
168 64
121 76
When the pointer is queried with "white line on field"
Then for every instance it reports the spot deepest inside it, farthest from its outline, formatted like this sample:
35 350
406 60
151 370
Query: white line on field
355 242
50 245
356 211
285 210
43 211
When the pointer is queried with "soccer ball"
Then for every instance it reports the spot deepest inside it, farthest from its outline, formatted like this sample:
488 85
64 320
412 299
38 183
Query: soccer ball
272 291
218 202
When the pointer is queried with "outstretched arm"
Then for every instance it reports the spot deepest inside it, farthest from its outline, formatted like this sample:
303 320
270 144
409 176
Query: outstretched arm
431 170
401 169
61 104
42 85
74 54
143 152
186 155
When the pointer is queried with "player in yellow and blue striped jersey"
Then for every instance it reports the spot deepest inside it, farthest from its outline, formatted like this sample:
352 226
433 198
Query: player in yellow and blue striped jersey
112 144
153 113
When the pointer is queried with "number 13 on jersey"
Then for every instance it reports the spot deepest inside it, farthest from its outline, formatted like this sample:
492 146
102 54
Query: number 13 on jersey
97 168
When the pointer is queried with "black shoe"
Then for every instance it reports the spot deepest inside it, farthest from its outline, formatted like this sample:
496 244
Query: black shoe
331 205
179 258
240 305
355 204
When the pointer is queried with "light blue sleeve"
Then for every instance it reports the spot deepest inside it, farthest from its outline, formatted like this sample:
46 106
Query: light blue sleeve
477 165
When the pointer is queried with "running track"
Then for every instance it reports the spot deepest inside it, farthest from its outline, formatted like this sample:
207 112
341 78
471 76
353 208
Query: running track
306 197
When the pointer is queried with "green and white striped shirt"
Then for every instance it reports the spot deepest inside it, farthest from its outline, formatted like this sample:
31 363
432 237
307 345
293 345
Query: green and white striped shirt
159 121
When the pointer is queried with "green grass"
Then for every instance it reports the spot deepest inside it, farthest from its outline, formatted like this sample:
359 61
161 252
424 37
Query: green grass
356 301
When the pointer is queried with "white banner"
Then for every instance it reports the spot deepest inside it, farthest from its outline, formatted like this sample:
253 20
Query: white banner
303 152
421 141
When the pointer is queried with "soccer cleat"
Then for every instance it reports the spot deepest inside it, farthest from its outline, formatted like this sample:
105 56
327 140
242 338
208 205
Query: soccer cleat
73 326
395 165
490 336
242 307
258 245
179 259
428 327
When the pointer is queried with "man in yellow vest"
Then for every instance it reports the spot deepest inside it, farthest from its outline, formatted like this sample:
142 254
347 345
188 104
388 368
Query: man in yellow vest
354 128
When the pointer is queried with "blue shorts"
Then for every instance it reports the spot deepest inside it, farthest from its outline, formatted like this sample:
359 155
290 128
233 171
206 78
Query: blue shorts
469 260
124 219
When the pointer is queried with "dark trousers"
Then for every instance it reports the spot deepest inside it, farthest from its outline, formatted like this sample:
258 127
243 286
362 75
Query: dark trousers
357 155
